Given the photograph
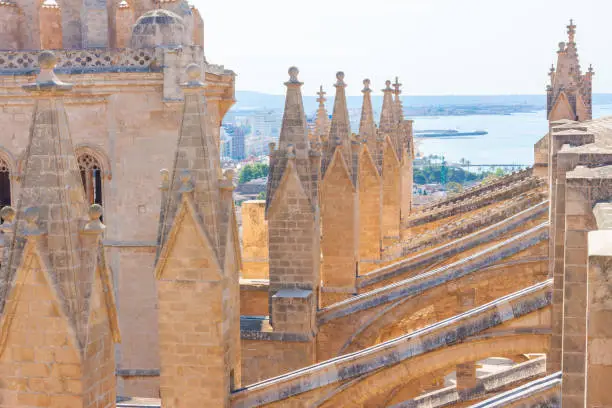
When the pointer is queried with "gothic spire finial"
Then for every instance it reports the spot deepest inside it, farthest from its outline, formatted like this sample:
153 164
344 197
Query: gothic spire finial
340 79
293 76
397 86
387 86
321 99
366 86
94 225
194 73
571 31
46 80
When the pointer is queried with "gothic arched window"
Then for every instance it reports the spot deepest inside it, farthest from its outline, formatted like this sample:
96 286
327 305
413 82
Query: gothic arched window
91 175
5 184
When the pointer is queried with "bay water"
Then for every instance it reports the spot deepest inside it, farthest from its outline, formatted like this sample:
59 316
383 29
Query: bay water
510 138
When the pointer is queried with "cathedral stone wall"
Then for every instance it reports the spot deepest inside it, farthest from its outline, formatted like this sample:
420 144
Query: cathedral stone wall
263 359
599 303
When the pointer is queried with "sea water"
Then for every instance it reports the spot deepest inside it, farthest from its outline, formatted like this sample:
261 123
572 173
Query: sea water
510 138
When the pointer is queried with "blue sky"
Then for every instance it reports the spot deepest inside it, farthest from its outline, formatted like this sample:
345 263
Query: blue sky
436 47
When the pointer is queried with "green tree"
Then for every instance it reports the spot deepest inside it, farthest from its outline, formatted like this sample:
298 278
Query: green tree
253 171
419 177
261 195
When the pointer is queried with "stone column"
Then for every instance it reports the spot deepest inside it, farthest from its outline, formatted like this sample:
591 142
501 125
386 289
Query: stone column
599 311
559 136
584 187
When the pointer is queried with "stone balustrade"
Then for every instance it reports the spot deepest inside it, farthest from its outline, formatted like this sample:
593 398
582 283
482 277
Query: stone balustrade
97 60
68 61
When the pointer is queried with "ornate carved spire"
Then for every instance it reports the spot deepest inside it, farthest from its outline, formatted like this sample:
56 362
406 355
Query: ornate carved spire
52 215
387 113
322 121
398 102
367 127
340 130
569 95
293 138
197 167
571 32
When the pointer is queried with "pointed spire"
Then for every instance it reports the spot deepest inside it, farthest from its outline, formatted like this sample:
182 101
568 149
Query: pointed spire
340 130
571 32
294 130
387 113
367 127
196 170
322 121
51 205
569 80
293 140
398 102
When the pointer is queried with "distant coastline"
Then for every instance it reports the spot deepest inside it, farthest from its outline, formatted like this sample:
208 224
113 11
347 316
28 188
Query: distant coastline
468 110
448 133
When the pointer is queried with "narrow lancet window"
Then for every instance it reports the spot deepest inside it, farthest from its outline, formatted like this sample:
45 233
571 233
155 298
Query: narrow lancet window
91 176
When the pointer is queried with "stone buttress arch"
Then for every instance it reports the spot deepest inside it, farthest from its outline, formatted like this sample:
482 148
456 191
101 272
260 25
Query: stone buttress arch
367 390
457 294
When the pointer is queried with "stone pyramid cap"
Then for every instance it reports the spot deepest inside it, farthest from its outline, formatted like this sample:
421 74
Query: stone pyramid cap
46 80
